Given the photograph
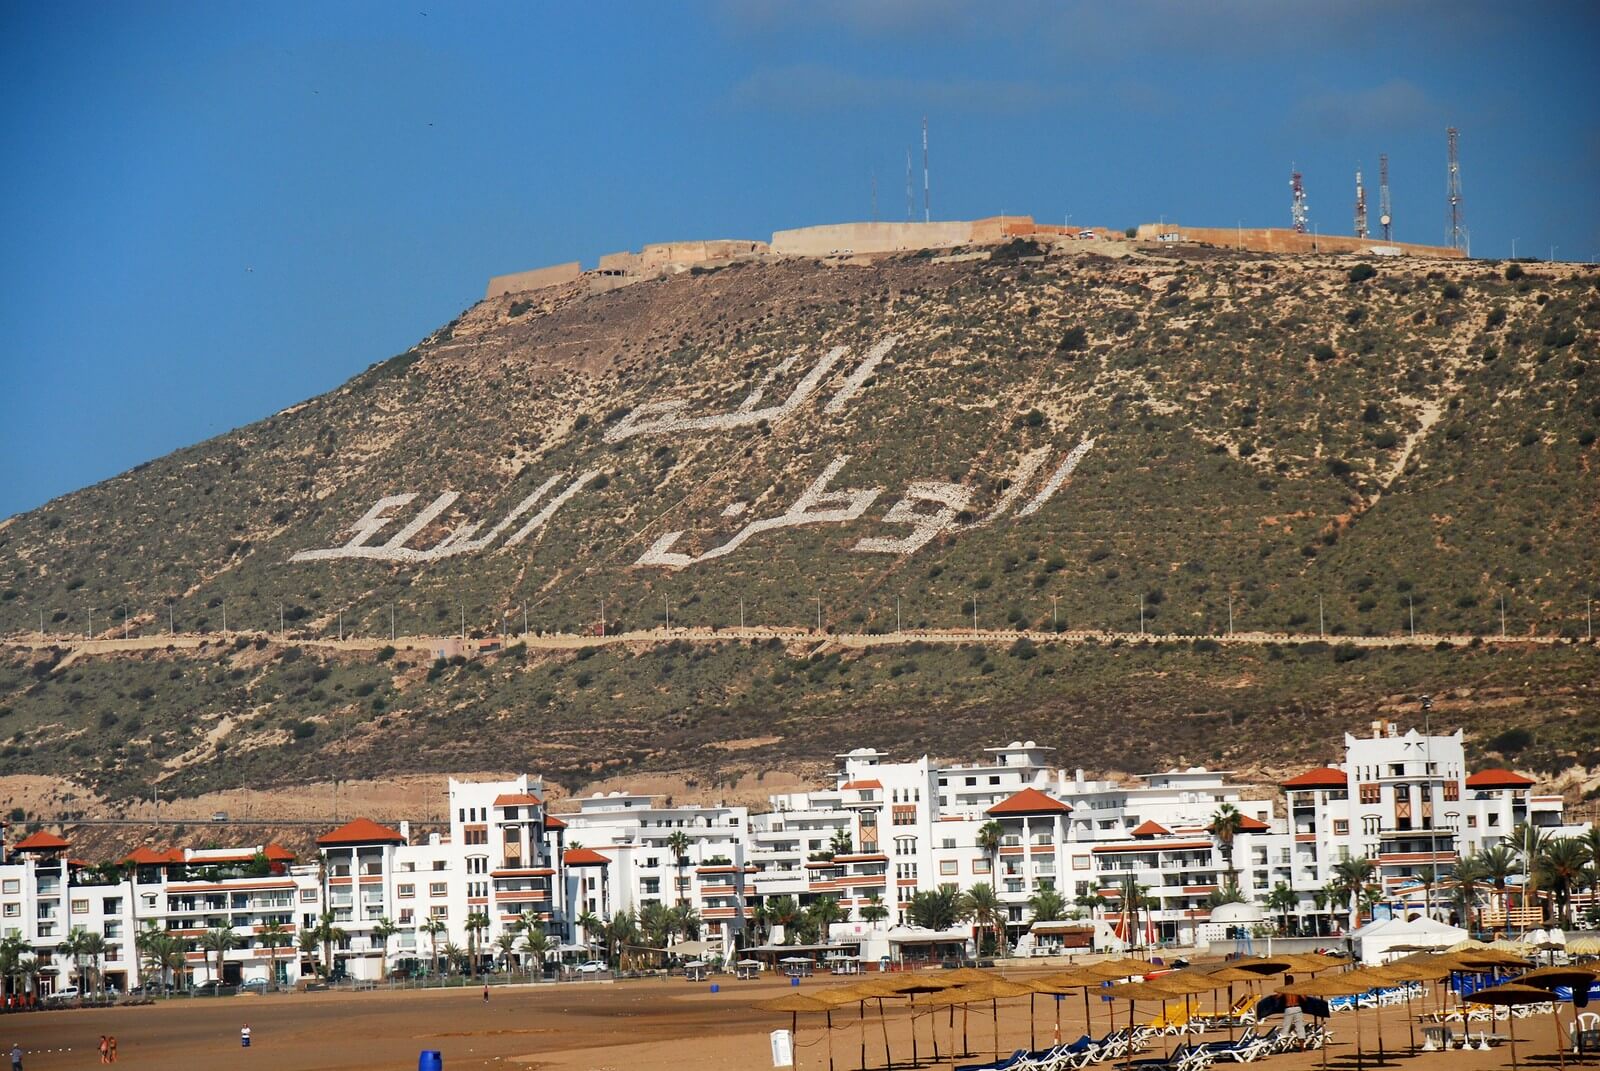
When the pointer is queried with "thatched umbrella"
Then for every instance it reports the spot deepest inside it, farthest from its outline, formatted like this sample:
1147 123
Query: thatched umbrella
1228 975
839 997
1551 978
908 986
1347 984
994 990
1186 984
1509 996
1084 979
1053 987
1132 992
1415 971
794 1004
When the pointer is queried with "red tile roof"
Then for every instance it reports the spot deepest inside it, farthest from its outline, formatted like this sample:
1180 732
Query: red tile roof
1321 777
1151 828
552 822
861 785
1252 825
584 857
42 842
361 831
518 799
142 856
1029 801
1488 779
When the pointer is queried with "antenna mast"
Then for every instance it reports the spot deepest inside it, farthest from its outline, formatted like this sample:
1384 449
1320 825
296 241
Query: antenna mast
909 202
1298 210
1456 232
1361 207
927 203
1385 216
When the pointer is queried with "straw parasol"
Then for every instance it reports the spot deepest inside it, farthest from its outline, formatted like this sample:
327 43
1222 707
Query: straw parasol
1084 979
840 997
1347 984
1133 992
994 990
1549 978
908 986
794 1004
1584 946
1511 995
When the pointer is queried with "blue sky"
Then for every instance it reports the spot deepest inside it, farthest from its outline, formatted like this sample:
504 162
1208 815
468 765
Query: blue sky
212 211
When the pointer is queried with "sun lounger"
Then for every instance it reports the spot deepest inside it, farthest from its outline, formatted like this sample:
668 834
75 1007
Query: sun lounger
1017 1061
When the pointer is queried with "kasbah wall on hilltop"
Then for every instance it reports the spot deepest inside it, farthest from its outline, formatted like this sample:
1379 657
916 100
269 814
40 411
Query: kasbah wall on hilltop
878 239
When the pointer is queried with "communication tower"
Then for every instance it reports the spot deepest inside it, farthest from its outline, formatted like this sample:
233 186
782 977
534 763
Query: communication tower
927 203
1385 216
1457 231
1361 207
1298 209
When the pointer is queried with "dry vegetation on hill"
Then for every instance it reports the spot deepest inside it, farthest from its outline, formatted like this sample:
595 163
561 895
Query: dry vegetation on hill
1268 433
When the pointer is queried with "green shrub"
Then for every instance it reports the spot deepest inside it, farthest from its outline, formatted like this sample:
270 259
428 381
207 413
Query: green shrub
1362 272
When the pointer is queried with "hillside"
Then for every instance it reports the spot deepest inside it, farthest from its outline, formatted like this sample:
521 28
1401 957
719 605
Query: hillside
1056 443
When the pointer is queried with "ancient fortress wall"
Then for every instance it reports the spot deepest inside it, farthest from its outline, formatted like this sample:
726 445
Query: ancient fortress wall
536 279
667 256
845 238
1282 240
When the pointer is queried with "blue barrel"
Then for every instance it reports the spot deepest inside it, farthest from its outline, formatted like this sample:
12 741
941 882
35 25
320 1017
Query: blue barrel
430 1060
794 981
715 988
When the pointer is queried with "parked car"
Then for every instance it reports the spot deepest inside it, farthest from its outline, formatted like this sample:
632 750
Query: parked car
253 985
592 966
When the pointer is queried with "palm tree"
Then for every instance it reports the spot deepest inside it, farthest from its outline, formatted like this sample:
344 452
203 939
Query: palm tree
433 928
382 930
874 911
1282 900
822 913
94 946
1320 899
938 909
452 957
307 944
72 945
783 911
656 922
219 939
685 922
678 844
621 932
592 927
1590 839
274 935
536 943
1351 877
1529 843
841 843
1046 905
1498 864
477 922
12 949
28 973
990 836
1226 824
1428 876
1468 873
982 905
329 935
1562 868
507 943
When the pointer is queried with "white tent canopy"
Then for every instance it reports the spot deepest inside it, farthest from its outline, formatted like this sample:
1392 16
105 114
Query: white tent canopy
1375 940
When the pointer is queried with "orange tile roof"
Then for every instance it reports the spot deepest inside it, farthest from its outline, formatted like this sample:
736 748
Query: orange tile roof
142 856
361 831
1321 777
1029 801
584 857
1252 825
552 822
860 785
1486 779
518 799
1151 828
42 842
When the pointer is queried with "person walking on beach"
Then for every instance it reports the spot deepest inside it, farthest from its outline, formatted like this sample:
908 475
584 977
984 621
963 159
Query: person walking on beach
111 1048
16 1057
105 1057
486 992
244 1036
1294 1016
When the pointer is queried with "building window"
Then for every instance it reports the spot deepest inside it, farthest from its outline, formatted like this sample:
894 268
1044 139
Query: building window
12 885
407 916
13 911
1341 827
80 907
308 896
405 892
1371 793
1452 790
947 868
437 888
981 866
438 911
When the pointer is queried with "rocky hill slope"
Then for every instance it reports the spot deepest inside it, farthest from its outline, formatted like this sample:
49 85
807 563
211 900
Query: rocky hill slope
1167 441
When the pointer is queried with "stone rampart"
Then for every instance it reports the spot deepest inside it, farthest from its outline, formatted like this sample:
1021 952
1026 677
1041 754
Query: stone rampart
1283 240
841 239
554 275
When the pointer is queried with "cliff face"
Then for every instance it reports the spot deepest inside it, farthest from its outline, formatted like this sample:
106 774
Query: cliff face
1073 442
